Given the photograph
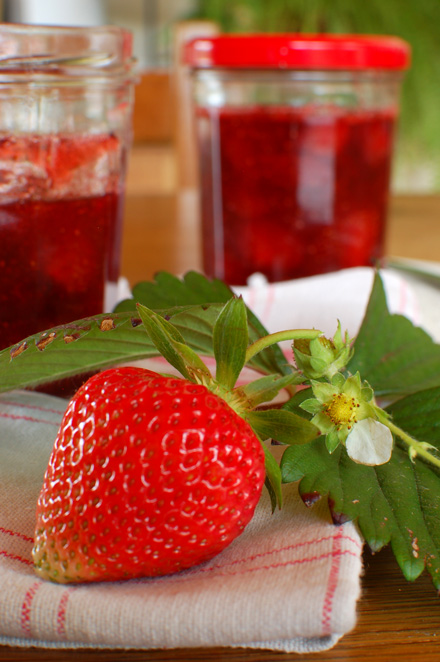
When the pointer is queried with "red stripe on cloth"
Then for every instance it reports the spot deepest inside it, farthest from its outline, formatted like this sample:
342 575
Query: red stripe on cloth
305 543
286 564
17 534
62 612
332 582
271 566
24 405
26 608
14 417
15 557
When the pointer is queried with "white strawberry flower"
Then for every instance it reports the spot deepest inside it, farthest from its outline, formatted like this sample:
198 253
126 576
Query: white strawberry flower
369 442
345 412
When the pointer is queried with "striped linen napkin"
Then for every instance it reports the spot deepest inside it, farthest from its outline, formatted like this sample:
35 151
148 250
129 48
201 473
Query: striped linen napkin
290 582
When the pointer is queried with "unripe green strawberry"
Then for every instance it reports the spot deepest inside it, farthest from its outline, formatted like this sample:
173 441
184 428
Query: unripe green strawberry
149 475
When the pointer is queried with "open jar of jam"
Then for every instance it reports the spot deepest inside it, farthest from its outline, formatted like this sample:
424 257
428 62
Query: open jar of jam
66 96
295 136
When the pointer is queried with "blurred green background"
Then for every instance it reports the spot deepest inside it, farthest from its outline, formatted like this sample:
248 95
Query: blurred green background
417 162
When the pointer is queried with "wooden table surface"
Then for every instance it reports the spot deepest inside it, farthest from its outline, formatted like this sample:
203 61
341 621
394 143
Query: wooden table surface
397 620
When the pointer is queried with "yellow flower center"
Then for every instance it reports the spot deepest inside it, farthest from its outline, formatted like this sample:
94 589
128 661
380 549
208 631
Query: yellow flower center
342 410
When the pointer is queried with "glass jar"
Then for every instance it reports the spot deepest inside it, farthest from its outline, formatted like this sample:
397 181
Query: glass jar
295 138
66 97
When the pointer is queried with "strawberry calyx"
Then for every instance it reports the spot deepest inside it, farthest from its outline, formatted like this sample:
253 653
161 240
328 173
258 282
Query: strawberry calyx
232 352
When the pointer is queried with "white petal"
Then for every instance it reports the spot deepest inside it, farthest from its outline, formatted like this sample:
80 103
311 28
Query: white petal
370 442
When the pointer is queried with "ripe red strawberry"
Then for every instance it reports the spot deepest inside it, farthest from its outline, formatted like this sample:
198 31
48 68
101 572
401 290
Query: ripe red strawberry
149 475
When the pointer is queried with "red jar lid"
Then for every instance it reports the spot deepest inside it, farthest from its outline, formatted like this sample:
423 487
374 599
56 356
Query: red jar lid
298 51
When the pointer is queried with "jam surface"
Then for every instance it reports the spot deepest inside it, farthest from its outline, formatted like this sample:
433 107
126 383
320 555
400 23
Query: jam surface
291 193
60 224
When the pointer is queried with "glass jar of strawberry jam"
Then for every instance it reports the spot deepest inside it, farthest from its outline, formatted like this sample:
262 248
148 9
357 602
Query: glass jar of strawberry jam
66 98
295 137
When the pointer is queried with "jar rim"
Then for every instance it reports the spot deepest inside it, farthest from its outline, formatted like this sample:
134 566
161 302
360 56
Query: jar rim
48 51
298 51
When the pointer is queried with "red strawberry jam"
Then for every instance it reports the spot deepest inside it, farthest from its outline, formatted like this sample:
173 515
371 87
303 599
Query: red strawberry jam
291 193
60 223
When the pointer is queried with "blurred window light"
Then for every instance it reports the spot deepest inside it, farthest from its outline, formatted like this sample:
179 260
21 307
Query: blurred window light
150 21
56 12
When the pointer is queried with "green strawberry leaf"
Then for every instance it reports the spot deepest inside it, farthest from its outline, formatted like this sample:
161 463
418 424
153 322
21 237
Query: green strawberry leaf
397 502
230 339
295 403
281 425
163 333
74 349
418 414
273 478
168 291
267 388
99 342
171 345
390 353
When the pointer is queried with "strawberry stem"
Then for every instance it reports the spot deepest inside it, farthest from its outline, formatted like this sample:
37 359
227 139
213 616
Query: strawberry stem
273 338
419 448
